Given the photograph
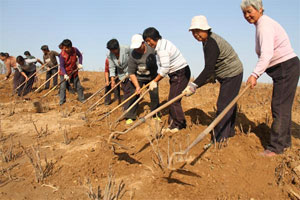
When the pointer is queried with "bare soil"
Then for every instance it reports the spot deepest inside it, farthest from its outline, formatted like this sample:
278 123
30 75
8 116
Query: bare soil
72 157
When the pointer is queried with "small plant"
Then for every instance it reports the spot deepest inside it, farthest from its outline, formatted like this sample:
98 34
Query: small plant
35 159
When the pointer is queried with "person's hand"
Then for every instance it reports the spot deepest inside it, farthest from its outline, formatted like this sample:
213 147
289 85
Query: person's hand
66 77
48 69
190 89
26 78
138 90
107 83
113 83
5 78
153 85
79 66
252 81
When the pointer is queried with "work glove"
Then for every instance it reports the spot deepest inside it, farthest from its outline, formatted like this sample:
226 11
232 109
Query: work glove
79 66
66 77
153 85
190 89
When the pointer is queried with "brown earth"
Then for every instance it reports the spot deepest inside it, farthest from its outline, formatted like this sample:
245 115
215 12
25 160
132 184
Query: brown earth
139 164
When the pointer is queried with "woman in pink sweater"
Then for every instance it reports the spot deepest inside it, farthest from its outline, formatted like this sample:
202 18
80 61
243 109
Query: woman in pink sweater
277 58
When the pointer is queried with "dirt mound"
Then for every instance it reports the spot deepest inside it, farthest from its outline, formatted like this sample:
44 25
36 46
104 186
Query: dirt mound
62 152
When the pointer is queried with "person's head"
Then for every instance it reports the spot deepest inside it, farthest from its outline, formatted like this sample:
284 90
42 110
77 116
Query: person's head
45 49
60 46
67 45
151 36
3 56
27 53
20 60
113 46
252 10
200 28
137 43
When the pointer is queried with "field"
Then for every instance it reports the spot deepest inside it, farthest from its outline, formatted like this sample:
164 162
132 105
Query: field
59 152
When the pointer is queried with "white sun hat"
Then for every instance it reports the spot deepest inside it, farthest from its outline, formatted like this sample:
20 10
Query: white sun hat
136 41
199 22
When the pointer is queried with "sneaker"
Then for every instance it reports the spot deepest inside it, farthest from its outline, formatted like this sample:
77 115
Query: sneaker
129 121
171 130
157 118
268 153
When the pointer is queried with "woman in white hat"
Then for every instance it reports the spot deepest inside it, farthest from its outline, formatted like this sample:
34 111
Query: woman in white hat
223 64
277 58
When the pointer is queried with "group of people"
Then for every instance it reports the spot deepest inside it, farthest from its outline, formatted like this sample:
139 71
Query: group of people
70 60
150 58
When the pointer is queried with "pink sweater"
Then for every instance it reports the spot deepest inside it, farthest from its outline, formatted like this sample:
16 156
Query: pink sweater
272 45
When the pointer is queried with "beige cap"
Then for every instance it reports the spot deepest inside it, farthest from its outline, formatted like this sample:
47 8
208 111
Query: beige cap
199 22
136 41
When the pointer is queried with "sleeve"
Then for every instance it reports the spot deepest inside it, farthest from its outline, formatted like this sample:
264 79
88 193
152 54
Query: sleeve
112 66
32 60
132 65
106 65
55 53
78 53
266 42
164 62
19 68
211 54
62 65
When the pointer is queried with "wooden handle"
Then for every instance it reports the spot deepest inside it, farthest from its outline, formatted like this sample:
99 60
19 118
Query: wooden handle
210 127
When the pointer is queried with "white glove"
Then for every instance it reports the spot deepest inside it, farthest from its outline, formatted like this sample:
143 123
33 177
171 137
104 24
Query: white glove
190 89
79 66
153 85
66 77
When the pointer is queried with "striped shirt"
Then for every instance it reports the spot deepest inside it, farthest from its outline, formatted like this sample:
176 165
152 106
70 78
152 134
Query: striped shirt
169 58
272 45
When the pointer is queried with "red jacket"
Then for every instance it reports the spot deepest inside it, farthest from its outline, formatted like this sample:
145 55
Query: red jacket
70 62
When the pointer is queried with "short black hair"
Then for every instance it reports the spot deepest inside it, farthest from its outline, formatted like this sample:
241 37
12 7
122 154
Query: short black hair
66 43
20 59
60 46
152 33
27 53
112 44
45 48
4 54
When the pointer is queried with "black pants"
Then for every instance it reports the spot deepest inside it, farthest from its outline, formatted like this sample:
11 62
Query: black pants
116 93
178 82
153 96
229 89
127 87
49 74
26 87
285 77
77 86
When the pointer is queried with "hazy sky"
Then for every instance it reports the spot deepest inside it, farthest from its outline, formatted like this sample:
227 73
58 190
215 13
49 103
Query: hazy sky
29 24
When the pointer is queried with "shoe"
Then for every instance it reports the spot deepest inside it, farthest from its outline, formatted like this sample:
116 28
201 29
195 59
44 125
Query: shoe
129 121
171 130
268 153
157 118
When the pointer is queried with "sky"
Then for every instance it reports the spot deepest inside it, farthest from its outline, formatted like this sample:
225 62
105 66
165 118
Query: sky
29 24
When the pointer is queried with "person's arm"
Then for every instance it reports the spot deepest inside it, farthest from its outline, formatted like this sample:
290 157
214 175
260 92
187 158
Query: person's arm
55 53
266 42
62 65
112 70
135 82
8 69
79 54
164 61
211 54
39 61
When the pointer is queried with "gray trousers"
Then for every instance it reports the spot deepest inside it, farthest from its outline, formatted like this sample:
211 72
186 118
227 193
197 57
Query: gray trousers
77 86
285 77
48 75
